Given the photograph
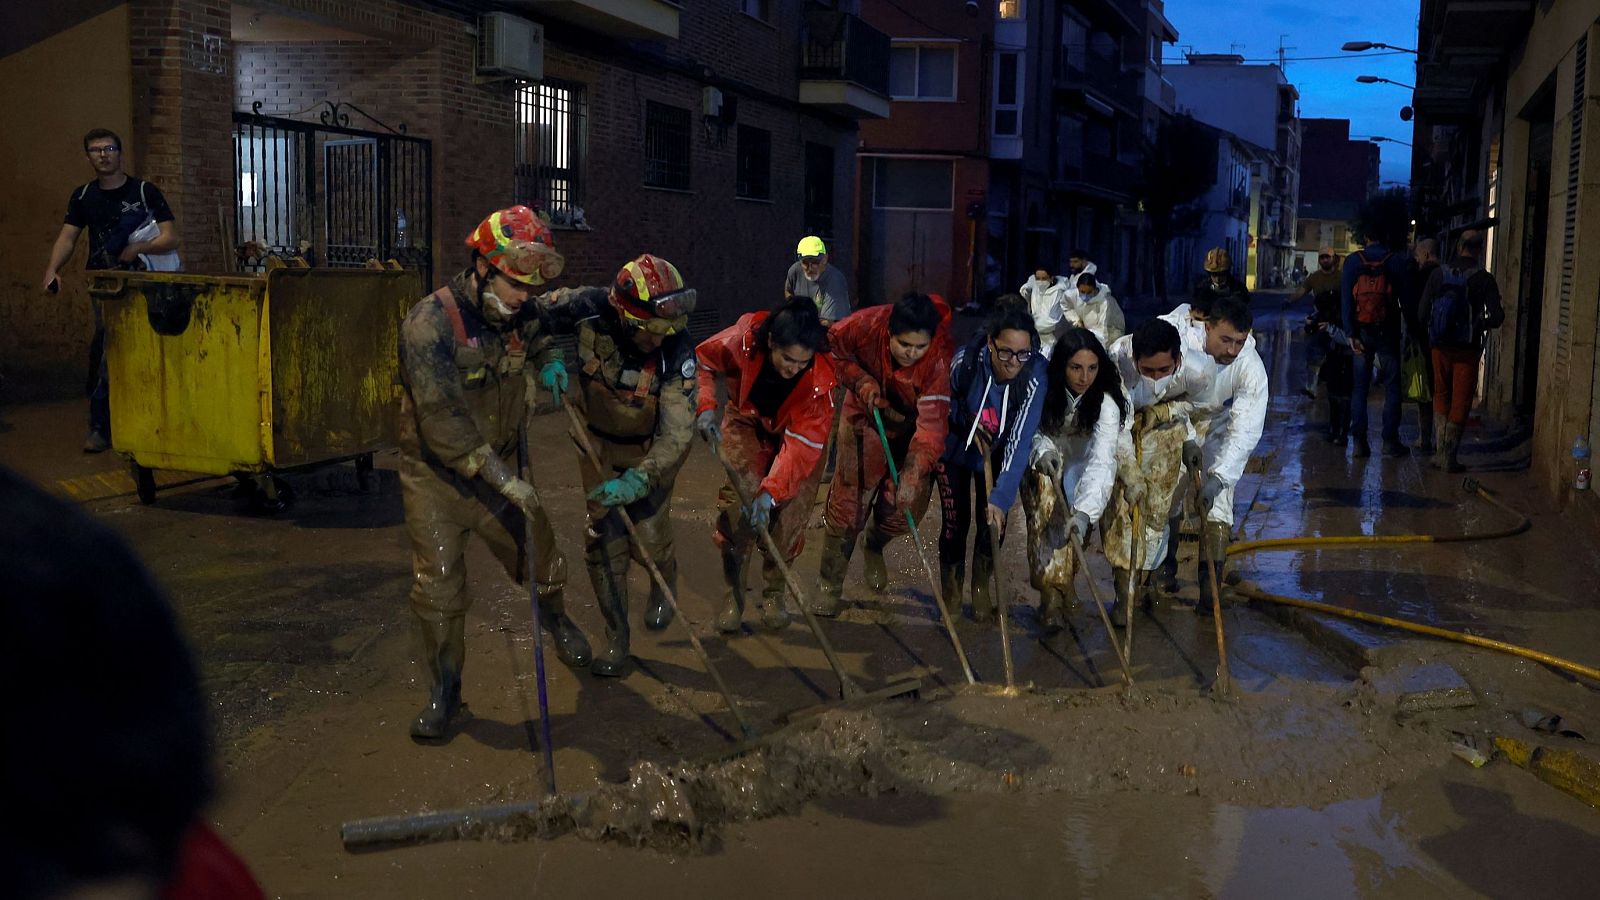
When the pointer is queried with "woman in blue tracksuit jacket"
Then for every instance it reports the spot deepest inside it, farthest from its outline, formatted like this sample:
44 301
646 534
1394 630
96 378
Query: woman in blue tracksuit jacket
997 387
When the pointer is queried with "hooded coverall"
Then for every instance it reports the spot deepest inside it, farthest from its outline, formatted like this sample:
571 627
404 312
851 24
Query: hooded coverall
917 420
465 396
640 410
778 453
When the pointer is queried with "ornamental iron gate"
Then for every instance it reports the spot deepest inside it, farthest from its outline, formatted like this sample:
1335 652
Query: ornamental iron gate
335 195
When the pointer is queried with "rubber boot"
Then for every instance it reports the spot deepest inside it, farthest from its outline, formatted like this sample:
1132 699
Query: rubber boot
1359 448
830 577
1052 614
571 646
1425 429
444 649
1450 447
1394 448
1338 419
1166 575
1213 553
950 582
773 618
1124 601
731 615
982 582
1437 461
611 595
658 612
872 560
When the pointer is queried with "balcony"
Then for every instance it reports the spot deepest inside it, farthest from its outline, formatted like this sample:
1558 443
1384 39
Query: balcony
649 20
1093 175
1099 81
844 65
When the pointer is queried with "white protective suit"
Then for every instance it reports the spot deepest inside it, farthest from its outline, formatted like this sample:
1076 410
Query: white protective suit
1088 458
1186 388
1229 416
1100 314
1046 300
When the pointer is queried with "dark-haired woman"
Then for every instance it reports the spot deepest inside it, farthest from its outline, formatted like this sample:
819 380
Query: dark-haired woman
896 362
996 390
1073 466
779 383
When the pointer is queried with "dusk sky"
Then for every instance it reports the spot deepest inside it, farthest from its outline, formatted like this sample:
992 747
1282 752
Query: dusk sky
1328 88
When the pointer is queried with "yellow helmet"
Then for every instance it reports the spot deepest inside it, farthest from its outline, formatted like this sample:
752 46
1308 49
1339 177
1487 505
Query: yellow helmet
1217 260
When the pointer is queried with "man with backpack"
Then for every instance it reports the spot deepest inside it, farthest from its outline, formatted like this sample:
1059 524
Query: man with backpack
1374 280
1459 305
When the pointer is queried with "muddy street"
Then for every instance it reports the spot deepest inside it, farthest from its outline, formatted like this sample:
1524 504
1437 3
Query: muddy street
1331 767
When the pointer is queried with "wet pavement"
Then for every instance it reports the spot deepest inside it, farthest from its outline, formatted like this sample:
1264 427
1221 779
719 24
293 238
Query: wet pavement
300 626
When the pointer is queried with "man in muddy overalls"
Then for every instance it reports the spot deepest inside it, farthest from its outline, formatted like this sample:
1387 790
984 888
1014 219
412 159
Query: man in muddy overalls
637 387
467 352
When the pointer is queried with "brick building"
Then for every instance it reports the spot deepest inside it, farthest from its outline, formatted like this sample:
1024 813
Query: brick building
712 133
1337 175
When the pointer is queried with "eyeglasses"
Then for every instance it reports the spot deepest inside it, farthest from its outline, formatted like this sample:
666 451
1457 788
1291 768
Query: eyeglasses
1006 354
810 260
103 151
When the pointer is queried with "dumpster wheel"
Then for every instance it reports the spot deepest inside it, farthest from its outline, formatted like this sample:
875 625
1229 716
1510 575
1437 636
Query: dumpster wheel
264 493
144 484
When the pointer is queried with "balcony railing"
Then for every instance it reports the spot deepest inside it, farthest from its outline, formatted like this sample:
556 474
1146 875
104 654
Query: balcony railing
841 47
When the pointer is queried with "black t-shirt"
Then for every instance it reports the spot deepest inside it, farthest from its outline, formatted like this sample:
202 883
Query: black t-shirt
770 390
111 216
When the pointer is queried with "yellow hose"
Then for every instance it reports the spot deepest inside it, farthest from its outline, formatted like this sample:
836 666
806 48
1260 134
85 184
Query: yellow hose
1570 771
1557 662
1344 542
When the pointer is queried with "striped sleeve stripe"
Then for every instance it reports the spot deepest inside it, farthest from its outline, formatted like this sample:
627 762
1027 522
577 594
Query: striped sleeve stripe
802 439
935 398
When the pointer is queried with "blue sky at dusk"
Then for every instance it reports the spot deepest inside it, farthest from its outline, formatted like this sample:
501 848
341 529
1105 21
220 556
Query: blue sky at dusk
1328 88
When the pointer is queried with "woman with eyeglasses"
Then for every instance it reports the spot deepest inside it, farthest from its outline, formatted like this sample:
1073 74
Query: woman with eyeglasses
1074 465
997 387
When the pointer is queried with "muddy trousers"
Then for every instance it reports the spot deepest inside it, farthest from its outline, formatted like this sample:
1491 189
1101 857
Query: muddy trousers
964 503
607 548
751 454
1455 379
862 489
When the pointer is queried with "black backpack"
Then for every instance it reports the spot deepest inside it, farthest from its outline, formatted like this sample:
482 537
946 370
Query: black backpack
1451 320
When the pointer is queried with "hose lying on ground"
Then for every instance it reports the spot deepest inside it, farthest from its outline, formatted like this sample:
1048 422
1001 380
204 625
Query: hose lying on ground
1345 542
1566 665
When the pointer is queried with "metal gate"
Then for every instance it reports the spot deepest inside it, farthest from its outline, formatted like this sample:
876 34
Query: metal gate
335 195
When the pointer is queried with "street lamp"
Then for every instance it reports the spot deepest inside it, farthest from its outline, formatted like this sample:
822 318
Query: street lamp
1373 79
1379 139
1359 46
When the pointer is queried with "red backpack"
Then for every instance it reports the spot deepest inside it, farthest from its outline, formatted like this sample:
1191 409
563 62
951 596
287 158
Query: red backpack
1373 292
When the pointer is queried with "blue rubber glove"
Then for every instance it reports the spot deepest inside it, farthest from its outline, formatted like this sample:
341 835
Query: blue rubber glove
626 488
759 512
1210 491
554 378
708 427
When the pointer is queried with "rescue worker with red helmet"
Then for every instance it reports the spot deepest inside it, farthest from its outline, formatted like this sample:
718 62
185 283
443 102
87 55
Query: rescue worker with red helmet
896 361
467 353
779 383
637 387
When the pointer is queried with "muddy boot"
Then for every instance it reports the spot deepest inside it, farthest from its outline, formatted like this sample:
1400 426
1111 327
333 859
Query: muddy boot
1124 602
731 615
1052 615
612 598
444 649
1359 448
1394 448
1213 554
1449 447
982 582
773 618
872 561
658 613
830 578
950 582
571 646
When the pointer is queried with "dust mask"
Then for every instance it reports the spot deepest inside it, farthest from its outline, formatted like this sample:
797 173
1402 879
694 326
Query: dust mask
495 310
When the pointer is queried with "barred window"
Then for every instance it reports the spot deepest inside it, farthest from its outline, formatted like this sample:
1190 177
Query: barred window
753 169
551 138
666 146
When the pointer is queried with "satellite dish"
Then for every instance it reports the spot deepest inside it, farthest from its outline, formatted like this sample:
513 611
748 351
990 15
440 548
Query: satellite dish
1406 113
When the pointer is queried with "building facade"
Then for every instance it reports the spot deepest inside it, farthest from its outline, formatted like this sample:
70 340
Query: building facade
1508 140
1337 175
714 134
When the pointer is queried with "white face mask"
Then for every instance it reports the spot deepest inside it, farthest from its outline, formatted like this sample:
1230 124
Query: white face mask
1151 390
495 310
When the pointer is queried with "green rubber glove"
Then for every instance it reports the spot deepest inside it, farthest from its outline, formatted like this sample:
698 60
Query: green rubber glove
626 488
554 378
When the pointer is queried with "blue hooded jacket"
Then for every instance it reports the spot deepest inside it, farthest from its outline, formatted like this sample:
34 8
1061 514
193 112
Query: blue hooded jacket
1013 407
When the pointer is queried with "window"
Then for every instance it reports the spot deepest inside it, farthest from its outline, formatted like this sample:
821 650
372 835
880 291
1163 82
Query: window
1074 41
753 165
1011 9
552 129
760 9
1069 147
819 190
922 72
666 146
913 183
1007 95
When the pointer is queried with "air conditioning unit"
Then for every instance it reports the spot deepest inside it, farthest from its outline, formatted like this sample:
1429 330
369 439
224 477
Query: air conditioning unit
711 103
509 47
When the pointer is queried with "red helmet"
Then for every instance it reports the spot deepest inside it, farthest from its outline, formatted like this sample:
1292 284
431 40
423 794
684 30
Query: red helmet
649 293
517 243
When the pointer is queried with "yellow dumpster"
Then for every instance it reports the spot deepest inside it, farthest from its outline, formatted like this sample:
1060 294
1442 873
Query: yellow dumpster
247 375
